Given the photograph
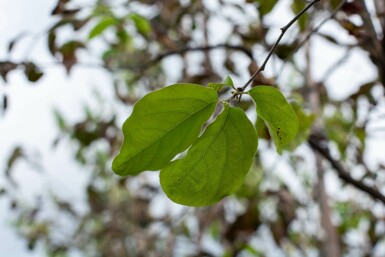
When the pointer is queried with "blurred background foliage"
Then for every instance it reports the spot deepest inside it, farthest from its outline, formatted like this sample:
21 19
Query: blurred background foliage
145 45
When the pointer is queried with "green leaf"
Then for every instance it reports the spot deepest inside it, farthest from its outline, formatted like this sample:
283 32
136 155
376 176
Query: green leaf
60 121
304 128
142 24
101 27
278 114
228 81
262 130
32 72
163 124
297 6
218 86
216 164
266 6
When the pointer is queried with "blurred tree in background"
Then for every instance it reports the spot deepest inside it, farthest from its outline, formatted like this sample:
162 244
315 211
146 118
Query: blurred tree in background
148 44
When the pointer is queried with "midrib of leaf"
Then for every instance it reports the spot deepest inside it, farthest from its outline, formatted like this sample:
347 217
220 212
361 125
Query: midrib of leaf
221 174
203 155
226 157
235 125
166 133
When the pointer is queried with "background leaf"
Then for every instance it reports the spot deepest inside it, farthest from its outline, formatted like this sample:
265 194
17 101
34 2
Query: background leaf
32 72
216 164
304 127
163 124
265 6
218 86
102 26
297 6
142 24
278 114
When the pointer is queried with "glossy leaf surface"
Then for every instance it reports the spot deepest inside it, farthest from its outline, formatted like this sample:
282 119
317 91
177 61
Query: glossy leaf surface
163 124
216 164
278 114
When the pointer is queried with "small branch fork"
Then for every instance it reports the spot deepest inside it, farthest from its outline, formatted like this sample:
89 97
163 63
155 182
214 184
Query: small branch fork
283 31
318 145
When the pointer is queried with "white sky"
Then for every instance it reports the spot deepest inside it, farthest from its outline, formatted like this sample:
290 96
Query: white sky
29 121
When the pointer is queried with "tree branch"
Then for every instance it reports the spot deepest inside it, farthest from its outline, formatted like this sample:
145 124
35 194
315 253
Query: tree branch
374 44
314 30
201 48
319 145
283 31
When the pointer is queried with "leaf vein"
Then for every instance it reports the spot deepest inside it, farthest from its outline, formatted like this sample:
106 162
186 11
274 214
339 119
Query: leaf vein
204 153
157 139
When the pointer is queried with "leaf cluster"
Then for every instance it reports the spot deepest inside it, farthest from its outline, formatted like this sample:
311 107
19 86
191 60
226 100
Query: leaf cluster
166 122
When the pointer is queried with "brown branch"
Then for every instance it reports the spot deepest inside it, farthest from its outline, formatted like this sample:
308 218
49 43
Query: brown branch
181 51
283 31
143 67
166 54
201 48
318 145
312 32
380 10
374 46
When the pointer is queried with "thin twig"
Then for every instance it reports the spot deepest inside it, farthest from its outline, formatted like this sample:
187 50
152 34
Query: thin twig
283 31
318 145
314 30
184 50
